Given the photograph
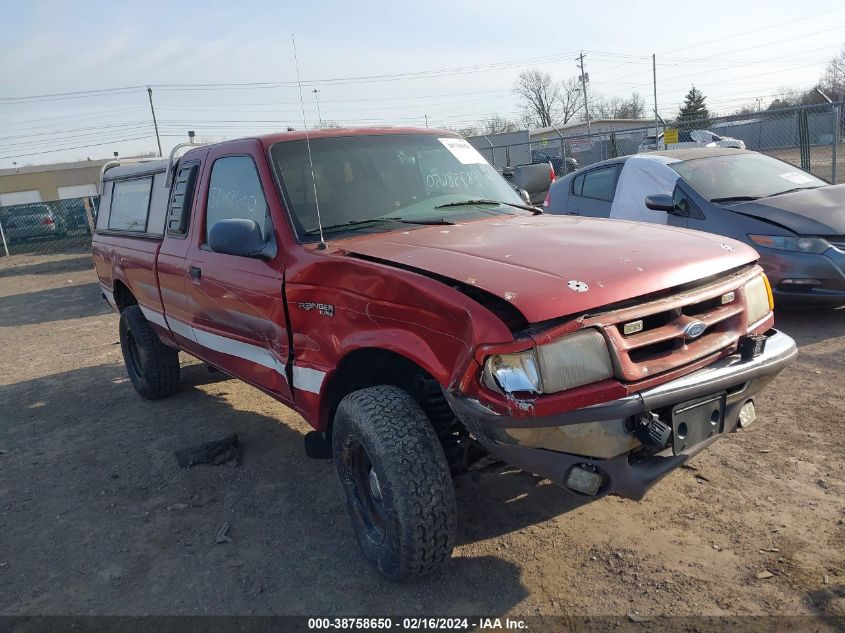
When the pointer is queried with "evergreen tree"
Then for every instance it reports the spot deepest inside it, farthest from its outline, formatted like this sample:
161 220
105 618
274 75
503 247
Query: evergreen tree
694 110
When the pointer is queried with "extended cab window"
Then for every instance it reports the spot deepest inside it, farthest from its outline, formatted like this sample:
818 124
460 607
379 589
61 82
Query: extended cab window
130 204
600 183
235 192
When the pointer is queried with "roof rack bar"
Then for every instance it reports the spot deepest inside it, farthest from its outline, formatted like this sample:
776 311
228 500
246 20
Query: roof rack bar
171 162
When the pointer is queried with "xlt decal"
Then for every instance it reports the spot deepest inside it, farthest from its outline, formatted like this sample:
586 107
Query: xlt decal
326 309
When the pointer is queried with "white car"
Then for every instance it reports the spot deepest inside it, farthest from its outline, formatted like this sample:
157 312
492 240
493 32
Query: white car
690 138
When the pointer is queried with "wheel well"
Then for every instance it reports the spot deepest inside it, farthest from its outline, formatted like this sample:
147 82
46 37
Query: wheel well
370 367
367 368
123 297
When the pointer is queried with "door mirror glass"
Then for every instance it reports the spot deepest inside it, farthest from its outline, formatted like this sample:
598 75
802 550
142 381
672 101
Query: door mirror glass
241 237
660 202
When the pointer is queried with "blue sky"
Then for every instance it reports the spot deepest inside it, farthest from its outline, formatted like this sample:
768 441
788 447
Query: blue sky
733 51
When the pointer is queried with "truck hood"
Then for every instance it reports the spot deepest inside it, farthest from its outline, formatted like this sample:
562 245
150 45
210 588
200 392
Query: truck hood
810 212
550 266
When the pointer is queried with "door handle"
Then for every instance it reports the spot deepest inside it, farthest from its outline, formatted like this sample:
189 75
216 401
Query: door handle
195 272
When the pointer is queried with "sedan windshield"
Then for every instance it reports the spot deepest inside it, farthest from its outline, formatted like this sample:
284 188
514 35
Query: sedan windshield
736 177
379 182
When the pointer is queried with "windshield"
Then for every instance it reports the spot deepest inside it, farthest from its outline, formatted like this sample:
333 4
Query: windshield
743 176
403 176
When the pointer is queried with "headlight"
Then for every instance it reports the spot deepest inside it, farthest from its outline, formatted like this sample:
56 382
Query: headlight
574 360
758 298
513 372
795 244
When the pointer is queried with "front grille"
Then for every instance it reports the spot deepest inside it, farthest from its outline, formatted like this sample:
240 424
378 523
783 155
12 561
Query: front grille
661 344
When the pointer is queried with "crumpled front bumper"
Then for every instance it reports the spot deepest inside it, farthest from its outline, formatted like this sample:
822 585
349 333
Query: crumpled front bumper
628 475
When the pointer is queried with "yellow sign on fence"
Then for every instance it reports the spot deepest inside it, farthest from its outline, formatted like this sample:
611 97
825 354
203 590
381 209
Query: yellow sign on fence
670 135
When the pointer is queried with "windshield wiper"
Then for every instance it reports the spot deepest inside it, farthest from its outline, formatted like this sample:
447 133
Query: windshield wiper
432 221
386 218
467 203
735 199
793 190
343 225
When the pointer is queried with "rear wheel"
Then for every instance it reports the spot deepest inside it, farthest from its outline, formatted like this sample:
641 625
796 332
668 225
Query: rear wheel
153 367
394 475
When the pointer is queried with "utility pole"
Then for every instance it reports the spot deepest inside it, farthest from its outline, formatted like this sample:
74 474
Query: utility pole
654 77
155 123
426 120
580 59
315 91
759 103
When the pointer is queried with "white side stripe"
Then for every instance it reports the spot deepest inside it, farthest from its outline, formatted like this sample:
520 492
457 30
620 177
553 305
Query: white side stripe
109 296
180 328
153 317
229 346
304 378
308 379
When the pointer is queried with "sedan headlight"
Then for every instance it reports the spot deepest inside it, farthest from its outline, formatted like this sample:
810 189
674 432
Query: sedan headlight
795 244
574 360
758 298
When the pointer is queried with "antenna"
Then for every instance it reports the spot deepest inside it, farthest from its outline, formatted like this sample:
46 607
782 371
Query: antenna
308 144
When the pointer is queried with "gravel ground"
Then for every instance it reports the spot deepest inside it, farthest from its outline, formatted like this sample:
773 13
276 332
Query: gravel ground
96 518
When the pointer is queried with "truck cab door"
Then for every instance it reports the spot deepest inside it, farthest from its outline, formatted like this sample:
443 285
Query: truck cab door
236 303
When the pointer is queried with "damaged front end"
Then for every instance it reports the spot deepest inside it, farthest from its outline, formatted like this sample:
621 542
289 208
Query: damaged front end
610 402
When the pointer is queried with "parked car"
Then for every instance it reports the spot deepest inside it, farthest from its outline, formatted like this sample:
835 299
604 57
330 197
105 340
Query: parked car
534 180
32 221
560 165
688 139
793 219
392 288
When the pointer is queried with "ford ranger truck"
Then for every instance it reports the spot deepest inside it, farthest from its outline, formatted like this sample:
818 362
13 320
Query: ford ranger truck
392 288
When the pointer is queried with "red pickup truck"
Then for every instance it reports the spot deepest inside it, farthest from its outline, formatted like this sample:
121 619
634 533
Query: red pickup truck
391 287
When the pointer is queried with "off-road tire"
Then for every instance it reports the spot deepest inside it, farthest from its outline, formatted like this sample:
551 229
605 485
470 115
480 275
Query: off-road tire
413 478
153 367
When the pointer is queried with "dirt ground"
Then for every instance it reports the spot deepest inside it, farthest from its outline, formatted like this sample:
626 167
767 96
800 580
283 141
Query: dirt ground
96 517
821 160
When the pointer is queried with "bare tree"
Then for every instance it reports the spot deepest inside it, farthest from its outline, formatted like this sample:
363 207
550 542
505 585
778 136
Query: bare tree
833 79
571 100
540 95
496 124
617 107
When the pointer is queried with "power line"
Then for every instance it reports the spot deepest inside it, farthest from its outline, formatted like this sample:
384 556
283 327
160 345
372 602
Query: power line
65 149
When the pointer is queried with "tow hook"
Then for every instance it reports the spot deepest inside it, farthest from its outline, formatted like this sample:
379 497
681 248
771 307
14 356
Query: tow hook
651 431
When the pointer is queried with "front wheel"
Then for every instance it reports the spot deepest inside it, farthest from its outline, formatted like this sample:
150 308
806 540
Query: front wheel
396 481
153 367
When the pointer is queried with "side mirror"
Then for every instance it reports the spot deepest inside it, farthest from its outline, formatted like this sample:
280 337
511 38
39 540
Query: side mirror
524 195
660 202
236 236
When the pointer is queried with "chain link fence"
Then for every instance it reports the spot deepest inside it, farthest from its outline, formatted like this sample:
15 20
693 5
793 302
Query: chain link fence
809 137
47 227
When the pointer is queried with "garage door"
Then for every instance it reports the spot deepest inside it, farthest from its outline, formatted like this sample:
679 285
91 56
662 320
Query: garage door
77 191
19 197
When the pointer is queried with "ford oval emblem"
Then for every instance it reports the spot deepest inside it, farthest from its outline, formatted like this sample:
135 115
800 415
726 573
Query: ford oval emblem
694 329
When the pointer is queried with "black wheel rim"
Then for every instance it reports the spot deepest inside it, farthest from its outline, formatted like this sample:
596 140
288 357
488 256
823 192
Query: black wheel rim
364 489
134 356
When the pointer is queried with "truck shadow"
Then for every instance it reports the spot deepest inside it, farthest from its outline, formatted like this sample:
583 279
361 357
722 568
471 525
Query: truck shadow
49 266
824 602
507 500
91 491
72 301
